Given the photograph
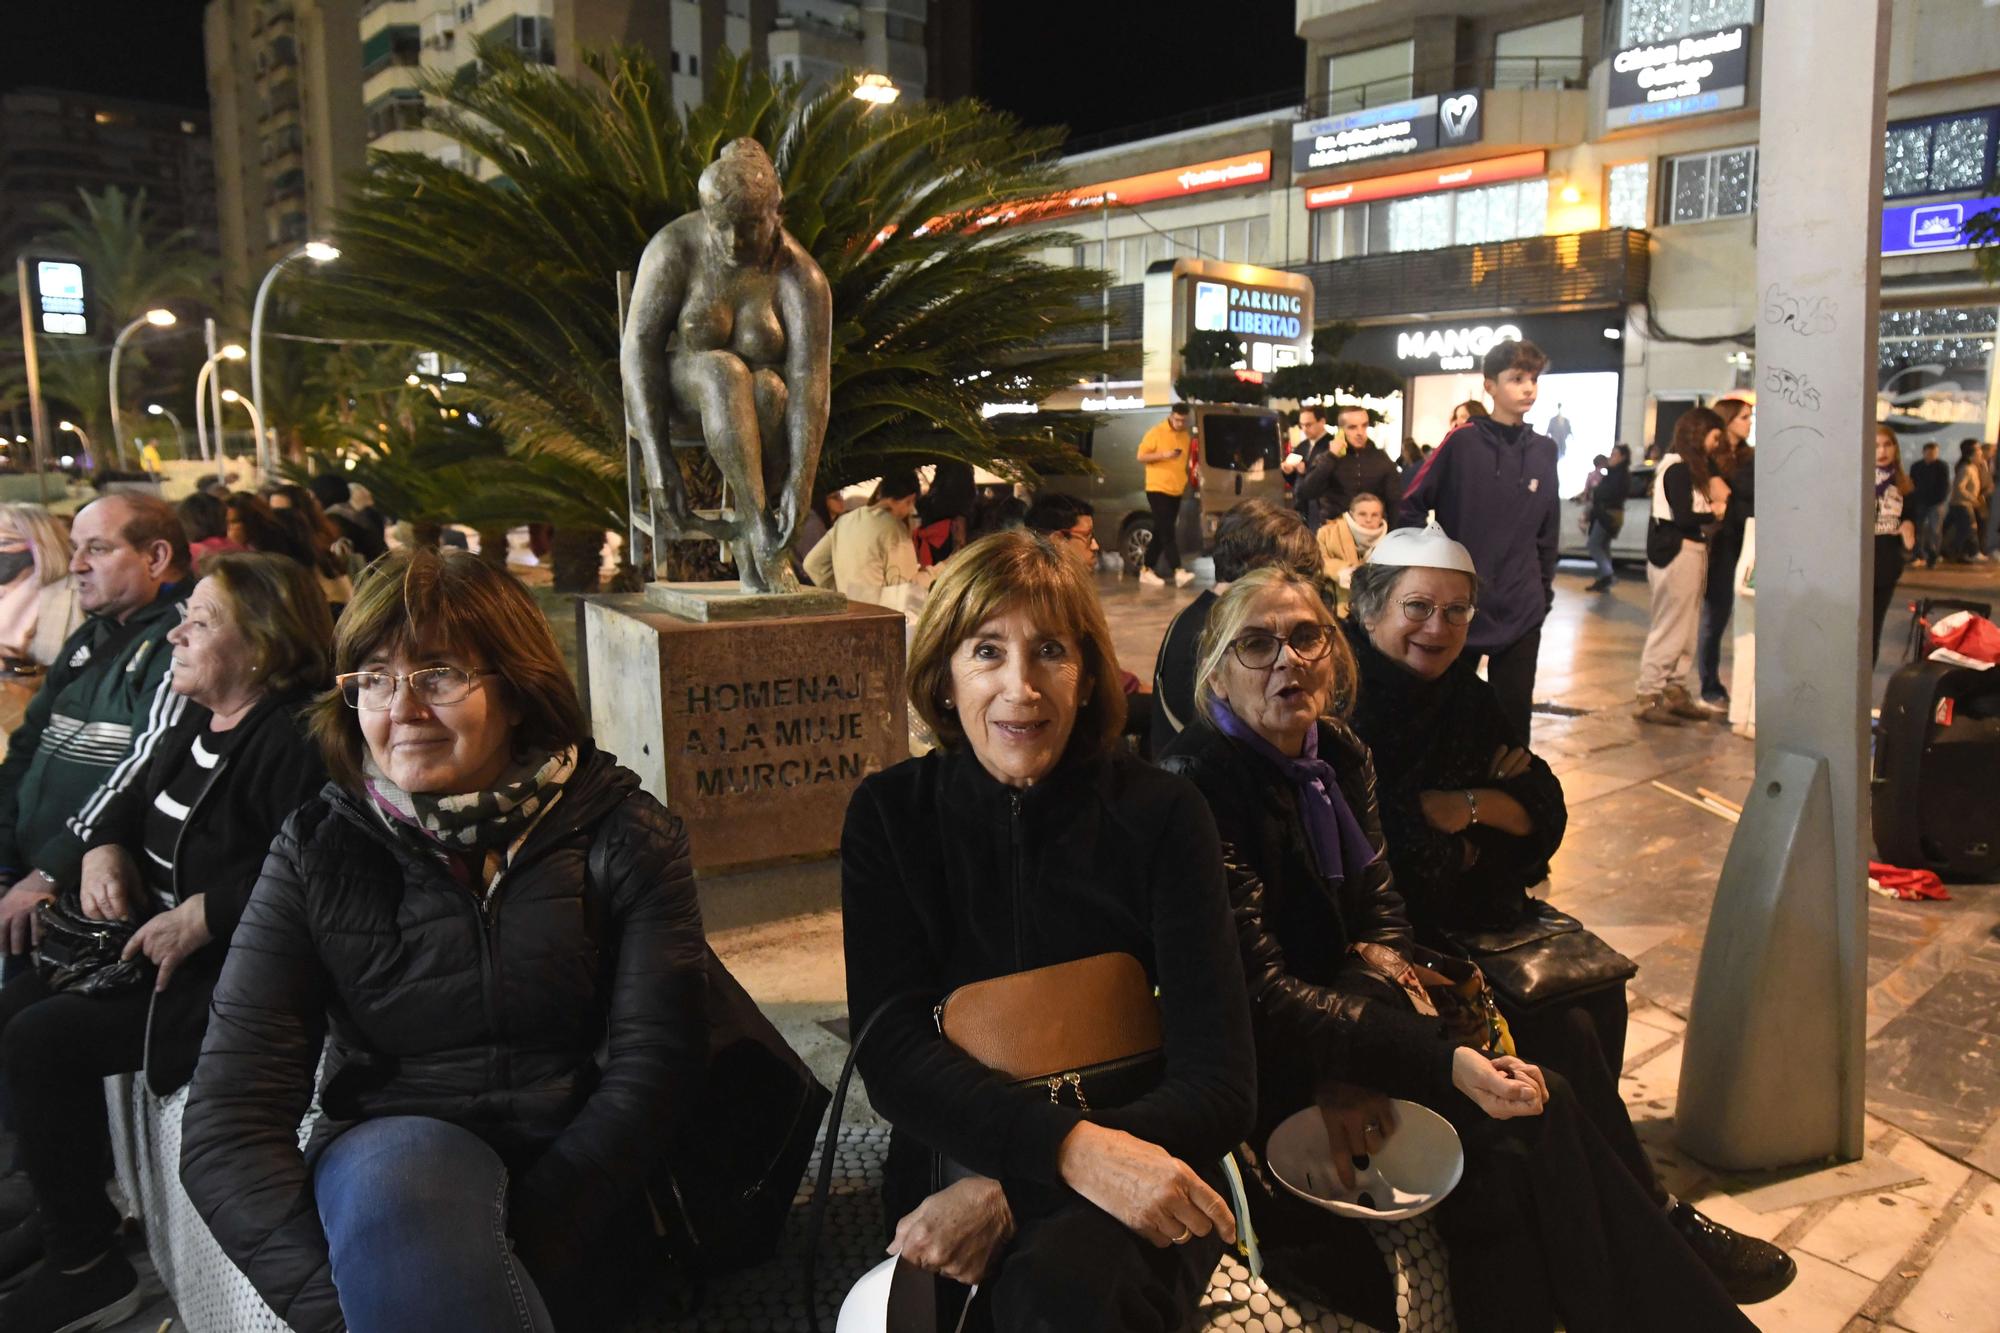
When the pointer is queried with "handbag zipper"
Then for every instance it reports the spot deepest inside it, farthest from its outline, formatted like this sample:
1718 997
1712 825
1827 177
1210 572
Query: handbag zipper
1014 823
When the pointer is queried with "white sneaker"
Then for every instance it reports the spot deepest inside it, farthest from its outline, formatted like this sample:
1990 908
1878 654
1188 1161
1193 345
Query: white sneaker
1183 577
1148 579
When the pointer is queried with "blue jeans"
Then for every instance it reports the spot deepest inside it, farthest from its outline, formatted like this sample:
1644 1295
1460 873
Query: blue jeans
415 1212
1599 544
1930 534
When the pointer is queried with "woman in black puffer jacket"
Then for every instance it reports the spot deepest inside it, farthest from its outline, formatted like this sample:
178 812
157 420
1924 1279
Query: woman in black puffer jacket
498 932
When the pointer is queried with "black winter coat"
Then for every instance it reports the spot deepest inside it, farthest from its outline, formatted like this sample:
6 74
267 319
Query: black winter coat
949 877
489 1016
1441 735
270 769
1317 1013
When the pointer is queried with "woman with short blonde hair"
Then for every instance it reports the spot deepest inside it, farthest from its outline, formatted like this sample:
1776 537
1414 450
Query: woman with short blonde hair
38 607
1032 838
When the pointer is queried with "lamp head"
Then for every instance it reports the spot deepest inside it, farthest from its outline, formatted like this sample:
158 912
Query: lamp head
154 410
232 352
876 88
66 425
231 396
160 319
321 253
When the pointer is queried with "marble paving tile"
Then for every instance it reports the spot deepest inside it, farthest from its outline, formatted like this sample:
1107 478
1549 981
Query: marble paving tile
1957 1292
1941 1175
1634 941
1821 1300
1949 1065
1870 1233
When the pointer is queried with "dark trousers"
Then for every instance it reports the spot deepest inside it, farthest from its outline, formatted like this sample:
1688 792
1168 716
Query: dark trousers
56 1051
1888 568
1718 599
1511 673
1584 1041
1164 556
1079 1269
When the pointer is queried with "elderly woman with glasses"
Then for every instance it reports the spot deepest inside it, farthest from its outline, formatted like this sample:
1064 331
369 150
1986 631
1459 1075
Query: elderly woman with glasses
1545 1226
1029 839
494 933
1472 820
175 845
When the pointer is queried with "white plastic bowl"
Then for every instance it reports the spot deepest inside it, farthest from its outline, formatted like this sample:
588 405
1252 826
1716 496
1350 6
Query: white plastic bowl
1416 1168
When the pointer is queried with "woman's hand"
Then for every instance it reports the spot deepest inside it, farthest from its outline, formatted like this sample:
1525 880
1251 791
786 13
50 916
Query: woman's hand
108 883
1142 1185
170 937
1509 762
958 1232
18 923
1358 1122
1502 1086
1446 811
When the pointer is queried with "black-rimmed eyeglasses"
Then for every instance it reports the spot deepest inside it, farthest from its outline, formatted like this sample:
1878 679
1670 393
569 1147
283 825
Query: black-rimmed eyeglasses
1259 649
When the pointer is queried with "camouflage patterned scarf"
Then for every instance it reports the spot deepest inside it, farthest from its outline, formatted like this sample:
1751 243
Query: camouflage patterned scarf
487 820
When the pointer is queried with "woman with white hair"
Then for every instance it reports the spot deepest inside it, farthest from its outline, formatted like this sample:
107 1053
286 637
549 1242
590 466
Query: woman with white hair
1545 1226
1472 820
37 598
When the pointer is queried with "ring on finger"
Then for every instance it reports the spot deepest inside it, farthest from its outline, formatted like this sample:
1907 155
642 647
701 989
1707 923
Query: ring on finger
1186 1234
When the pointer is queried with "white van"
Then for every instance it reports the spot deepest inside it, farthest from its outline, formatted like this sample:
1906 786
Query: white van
1238 449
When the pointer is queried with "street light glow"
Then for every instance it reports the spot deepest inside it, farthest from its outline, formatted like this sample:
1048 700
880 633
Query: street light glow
232 352
66 425
160 319
231 396
876 88
321 253
155 410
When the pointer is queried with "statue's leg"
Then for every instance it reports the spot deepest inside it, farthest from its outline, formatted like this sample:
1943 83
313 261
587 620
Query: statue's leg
719 387
768 387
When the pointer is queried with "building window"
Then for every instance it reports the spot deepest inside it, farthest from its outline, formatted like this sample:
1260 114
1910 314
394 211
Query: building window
1642 21
1434 221
1626 197
1546 55
1379 75
1705 186
1934 156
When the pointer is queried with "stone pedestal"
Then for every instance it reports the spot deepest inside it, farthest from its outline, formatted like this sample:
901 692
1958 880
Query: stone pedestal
732 601
754 731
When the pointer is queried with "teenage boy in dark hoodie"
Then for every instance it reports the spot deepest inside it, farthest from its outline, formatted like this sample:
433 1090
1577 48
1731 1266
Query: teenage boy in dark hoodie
1492 486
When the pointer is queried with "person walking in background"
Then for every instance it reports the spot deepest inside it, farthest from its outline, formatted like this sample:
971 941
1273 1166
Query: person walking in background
1687 496
1468 410
1931 476
1895 534
1735 464
1492 487
1961 524
1362 468
1316 447
1165 451
1605 518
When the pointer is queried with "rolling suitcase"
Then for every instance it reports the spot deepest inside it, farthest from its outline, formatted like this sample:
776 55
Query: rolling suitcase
1936 804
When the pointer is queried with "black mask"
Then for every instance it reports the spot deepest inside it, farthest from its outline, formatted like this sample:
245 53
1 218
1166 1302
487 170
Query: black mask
13 563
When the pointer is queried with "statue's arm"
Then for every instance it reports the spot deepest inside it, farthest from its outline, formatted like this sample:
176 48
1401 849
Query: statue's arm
805 306
657 293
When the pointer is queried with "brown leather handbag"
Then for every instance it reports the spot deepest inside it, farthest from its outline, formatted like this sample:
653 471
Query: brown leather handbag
1084 1029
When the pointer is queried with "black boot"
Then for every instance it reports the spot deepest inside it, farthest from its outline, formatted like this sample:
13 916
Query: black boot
20 1247
1750 1270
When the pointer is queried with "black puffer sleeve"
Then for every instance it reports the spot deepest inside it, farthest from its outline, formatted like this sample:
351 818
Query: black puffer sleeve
240 1158
657 1039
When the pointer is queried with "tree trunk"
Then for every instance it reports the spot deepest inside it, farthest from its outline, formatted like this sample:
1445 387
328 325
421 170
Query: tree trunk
576 558
493 547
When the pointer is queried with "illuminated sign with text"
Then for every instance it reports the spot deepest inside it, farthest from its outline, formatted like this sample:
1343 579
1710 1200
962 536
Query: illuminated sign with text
1462 175
1922 229
1708 71
61 301
1415 126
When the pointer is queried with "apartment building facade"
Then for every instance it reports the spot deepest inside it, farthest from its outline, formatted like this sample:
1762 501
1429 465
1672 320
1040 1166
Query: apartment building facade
1579 172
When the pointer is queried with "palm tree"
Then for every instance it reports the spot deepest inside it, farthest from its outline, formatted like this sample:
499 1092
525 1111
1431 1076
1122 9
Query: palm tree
133 267
513 278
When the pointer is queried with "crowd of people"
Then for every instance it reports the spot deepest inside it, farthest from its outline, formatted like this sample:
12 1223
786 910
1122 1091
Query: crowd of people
332 816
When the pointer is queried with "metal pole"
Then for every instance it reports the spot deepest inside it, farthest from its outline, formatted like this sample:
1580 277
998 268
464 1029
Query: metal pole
1773 1070
214 405
257 344
38 417
202 377
117 351
180 436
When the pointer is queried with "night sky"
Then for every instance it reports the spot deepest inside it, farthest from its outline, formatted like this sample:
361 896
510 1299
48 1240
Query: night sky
1092 64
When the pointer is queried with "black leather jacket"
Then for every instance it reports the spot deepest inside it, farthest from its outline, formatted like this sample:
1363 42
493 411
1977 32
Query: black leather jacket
1308 995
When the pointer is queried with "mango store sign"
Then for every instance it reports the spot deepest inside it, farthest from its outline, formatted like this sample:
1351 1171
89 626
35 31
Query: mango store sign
1454 348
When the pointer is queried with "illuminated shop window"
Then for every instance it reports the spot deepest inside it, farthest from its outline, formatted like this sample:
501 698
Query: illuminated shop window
1705 186
1625 204
1934 156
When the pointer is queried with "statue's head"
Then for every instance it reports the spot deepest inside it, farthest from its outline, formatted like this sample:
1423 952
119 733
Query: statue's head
740 198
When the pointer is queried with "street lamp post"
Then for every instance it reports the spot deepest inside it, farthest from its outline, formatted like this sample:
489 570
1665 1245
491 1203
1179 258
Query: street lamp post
80 434
256 422
180 436
320 253
159 319
228 352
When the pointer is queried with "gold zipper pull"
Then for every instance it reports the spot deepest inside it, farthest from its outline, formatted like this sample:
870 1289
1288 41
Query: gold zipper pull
1055 1089
1075 1081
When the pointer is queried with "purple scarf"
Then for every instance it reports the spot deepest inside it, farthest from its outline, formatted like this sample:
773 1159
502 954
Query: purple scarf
1339 844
